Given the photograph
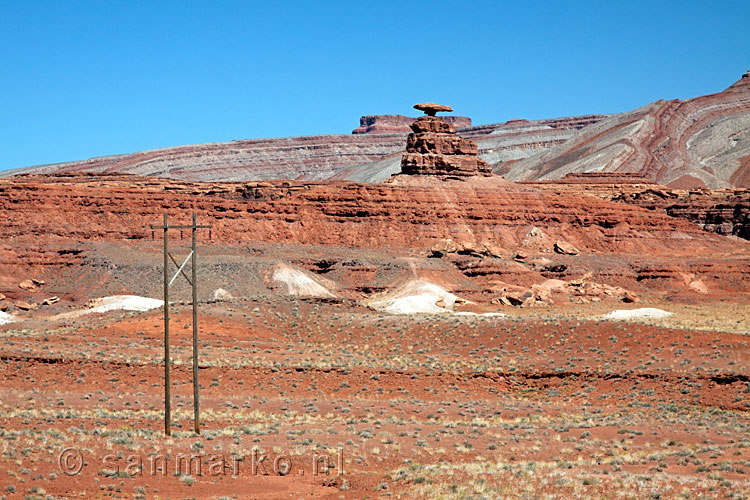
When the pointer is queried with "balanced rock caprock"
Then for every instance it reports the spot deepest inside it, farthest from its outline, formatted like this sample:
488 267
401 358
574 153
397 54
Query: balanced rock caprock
433 148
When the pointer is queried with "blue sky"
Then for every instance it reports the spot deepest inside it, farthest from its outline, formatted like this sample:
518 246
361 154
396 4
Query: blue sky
82 79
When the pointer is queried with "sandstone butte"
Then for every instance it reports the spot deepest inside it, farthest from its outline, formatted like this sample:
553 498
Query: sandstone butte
400 124
433 148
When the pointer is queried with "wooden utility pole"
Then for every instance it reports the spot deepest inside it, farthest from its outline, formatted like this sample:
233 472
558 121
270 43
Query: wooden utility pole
194 284
196 400
167 359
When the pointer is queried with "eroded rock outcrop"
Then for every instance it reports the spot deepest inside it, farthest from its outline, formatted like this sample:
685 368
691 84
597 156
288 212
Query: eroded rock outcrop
370 157
417 215
695 143
722 211
399 124
433 148
502 233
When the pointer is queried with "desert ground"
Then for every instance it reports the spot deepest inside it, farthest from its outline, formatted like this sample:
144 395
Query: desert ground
321 397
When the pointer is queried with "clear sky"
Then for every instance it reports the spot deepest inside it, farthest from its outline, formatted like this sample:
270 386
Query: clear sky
82 79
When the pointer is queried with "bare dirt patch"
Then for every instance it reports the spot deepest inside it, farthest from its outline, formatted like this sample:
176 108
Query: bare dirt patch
418 407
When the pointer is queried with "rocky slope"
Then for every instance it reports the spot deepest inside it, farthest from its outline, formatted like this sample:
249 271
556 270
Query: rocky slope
700 142
409 212
722 211
311 157
361 157
497 142
478 237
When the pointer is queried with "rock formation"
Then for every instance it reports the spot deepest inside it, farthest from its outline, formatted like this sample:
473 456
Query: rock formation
722 211
399 124
743 84
431 108
76 228
370 157
696 143
433 148
412 215
699 142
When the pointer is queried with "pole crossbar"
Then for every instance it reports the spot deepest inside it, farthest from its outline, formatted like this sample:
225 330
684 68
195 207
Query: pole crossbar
194 285
180 268
183 272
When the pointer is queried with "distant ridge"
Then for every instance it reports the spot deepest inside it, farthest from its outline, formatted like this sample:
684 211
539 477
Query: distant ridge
699 142
358 157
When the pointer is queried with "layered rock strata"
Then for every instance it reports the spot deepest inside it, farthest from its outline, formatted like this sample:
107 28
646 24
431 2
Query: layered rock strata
416 213
696 143
504 234
433 148
722 211
371 157
399 124
699 142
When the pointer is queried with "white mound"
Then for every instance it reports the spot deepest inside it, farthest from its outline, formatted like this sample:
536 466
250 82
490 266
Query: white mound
114 303
416 297
123 302
6 318
221 294
644 312
298 282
